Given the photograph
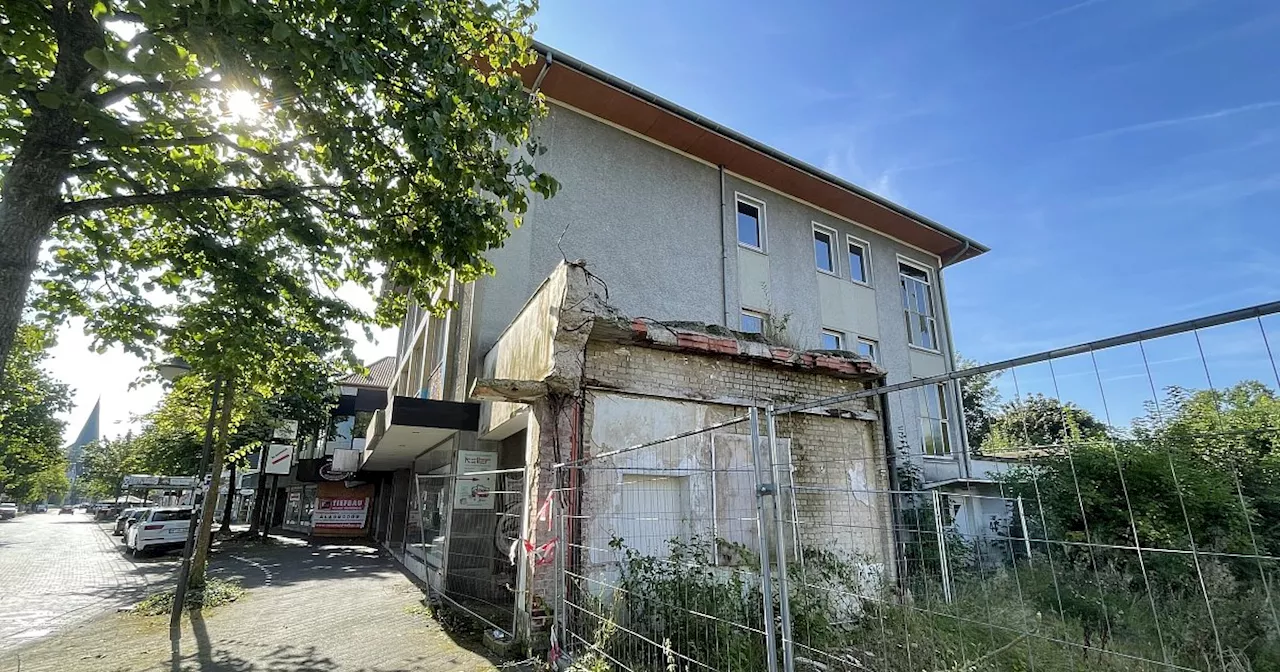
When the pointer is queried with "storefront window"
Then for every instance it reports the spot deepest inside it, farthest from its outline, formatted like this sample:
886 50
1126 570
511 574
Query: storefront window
292 508
308 505
413 525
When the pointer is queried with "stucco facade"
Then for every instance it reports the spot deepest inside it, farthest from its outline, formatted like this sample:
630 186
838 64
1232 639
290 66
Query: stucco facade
648 222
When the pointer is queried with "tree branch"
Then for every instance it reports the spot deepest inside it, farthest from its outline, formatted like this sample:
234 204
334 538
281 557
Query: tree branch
199 140
109 98
280 193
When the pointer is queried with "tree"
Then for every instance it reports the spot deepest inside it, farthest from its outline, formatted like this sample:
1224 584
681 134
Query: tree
164 149
1040 421
30 433
106 462
980 398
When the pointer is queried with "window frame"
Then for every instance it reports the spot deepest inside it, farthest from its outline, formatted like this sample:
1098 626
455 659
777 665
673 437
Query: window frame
839 336
832 237
942 423
932 304
764 320
762 226
849 241
873 343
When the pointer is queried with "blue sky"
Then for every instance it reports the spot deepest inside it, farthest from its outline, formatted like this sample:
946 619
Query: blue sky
1118 156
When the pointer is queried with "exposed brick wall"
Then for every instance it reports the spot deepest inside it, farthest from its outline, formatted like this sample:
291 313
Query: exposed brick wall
681 375
841 471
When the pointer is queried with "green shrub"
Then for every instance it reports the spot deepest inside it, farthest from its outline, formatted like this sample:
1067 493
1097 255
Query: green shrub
215 592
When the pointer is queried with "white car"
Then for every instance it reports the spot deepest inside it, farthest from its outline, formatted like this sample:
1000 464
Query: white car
158 530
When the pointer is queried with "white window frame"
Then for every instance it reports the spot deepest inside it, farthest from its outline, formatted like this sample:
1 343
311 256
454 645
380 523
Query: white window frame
833 238
943 423
933 306
875 347
839 336
764 320
866 259
761 221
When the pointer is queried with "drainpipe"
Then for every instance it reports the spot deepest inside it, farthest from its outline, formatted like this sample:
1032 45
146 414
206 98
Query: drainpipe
724 257
965 470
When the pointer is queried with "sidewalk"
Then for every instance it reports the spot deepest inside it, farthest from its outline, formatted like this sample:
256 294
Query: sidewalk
323 608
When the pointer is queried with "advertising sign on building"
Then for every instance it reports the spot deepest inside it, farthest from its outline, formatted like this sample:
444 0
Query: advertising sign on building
279 458
340 513
474 492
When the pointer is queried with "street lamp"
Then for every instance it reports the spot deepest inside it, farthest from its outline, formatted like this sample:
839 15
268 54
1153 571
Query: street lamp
171 371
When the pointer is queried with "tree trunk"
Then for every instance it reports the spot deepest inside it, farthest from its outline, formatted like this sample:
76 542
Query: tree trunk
231 498
209 508
259 498
30 201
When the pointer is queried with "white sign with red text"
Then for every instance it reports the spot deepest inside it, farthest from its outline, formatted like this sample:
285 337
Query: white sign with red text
340 513
474 492
279 458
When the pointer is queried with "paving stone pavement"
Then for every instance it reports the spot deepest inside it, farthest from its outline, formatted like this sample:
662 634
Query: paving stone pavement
57 570
330 608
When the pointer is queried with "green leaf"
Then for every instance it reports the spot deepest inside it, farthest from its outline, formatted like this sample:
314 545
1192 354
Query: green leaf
280 32
49 99
97 58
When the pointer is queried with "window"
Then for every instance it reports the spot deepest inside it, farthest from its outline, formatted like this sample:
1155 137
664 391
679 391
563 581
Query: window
752 322
750 224
824 249
832 340
868 348
158 516
917 305
935 434
859 258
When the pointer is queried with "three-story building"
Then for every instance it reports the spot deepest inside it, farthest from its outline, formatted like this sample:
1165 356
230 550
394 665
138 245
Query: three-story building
678 219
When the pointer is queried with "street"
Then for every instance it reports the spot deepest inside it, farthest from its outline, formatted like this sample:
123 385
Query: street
63 577
57 570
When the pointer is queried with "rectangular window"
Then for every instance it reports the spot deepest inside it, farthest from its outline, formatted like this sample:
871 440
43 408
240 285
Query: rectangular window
824 252
859 258
832 340
750 224
869 349
752 322
917 306
935 430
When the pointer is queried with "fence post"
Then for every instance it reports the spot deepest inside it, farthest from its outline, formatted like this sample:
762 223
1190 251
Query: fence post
788 653
1026 533
562 579
943 564
766 582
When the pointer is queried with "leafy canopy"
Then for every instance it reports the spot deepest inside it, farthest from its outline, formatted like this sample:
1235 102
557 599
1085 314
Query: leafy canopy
32 463
224 166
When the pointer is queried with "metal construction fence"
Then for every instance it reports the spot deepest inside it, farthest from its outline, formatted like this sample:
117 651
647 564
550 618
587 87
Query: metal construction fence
480 578
1114 505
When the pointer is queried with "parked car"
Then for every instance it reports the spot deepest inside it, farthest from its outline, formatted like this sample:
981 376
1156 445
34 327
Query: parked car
66 509
8 510
128 518
41 508
121 521
158 530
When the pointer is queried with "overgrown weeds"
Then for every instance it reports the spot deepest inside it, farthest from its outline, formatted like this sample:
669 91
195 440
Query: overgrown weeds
214 593
683 611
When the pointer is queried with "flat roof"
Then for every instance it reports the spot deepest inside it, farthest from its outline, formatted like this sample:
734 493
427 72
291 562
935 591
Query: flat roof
587 88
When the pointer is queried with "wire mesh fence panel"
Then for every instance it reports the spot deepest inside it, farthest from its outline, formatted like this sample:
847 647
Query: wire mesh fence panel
662 569
1114 505
479 552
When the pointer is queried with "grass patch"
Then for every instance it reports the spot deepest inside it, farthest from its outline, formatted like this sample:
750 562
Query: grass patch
214 593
